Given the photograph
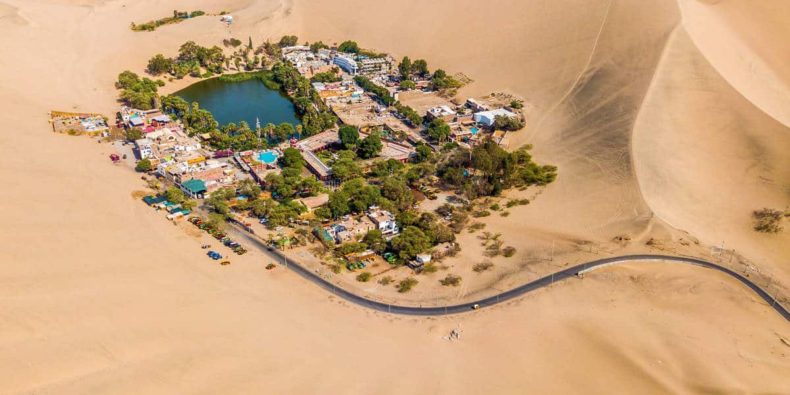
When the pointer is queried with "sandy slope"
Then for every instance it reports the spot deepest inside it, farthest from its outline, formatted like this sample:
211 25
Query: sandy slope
100 295
707 157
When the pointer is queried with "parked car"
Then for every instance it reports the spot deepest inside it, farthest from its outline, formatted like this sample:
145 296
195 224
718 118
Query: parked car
214 255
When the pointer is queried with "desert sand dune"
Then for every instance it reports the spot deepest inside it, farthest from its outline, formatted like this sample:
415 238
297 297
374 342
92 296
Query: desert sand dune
98 294
707 157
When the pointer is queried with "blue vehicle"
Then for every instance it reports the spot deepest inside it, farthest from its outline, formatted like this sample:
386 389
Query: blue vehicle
214 255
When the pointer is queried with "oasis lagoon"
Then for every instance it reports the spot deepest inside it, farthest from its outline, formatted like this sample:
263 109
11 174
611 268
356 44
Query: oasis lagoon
232 102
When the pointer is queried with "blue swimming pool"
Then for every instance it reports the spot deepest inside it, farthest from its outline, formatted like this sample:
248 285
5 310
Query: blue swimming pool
474 131
269 157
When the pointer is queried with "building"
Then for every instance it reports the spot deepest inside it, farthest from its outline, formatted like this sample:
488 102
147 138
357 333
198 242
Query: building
144 148
136 121
476 105
393 150
384 221
313 144
194 188
349 229
314 202
442 112
295 48
161 120
317 166
423 258
487 118
419 261
346 63
375 66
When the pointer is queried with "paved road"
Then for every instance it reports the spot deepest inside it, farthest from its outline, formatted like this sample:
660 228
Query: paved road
570 272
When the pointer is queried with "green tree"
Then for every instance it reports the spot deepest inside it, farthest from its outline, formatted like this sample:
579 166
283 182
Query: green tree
350 248
338 204
375 241
370 146
292 158
423 153
140 93
410 243
159 64
405 67
332 75
410 114
349 136
407 85
420 67
348 47
217 220
134 134
249 188
387 167
199 120
318 45
175 105
438 130
175 195
396 190
345 169
503 122
288 41
188 204
143 166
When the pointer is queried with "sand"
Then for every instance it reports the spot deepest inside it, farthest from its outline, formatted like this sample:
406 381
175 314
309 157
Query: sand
99 294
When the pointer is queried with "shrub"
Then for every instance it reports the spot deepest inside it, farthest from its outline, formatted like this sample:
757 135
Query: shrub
481 213
508 251
505 213
495 207
407 284
451 280
503 122
517 202
386 280
482 266
143 166
288 41
429 268
768 220
364 277
476 226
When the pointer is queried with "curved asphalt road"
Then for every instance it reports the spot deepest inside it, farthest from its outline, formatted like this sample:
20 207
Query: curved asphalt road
507 295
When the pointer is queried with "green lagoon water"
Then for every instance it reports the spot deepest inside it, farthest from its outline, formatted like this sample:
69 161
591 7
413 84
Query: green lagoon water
241 101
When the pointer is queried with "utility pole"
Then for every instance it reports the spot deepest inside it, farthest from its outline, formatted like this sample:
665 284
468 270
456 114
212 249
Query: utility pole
258 130
721 250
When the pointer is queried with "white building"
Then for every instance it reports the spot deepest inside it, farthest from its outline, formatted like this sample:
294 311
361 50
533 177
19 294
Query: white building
144 147
384 221
487 118
346 63
442 112
423 258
